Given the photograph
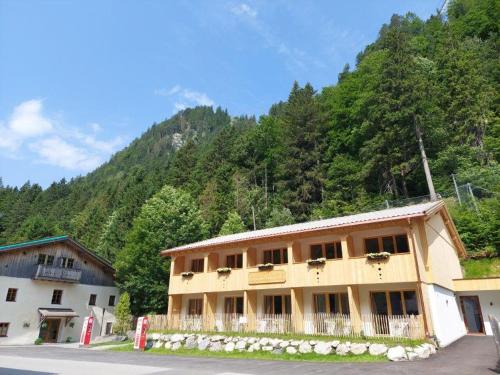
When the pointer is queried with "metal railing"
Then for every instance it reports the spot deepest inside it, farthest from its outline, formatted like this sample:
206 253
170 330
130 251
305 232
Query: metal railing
44 272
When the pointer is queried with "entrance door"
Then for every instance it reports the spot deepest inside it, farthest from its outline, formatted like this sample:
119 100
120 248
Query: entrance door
472 314
50 330
380 311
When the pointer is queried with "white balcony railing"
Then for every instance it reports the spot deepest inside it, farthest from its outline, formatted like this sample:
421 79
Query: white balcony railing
44 272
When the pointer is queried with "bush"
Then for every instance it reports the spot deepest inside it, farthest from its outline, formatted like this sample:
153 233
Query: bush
123 316
39 341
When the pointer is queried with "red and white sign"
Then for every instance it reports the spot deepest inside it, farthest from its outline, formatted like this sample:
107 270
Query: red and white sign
140 333
88 323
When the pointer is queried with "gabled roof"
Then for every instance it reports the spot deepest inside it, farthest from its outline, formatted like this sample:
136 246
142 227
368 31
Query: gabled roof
389 214
57 239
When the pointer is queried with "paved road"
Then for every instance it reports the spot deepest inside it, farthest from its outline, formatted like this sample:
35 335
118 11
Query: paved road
470 355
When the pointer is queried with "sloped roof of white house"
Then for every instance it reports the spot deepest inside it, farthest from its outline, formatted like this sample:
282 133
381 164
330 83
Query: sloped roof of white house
311 226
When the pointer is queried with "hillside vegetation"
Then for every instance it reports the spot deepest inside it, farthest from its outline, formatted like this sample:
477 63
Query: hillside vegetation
345 148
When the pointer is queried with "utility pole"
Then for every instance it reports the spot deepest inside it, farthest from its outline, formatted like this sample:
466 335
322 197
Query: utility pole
456 189
427 170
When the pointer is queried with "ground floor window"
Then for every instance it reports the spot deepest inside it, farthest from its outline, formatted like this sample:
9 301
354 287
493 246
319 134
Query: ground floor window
109 328
4 327
195 306
233 305
277 305
395 302
333 303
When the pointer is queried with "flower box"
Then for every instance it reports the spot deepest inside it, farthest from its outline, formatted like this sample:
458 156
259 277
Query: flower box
187 274
224 270
378 256
316 262
267 266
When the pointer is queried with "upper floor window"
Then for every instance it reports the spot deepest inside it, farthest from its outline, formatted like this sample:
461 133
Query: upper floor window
393 244
4 327
92 299
67 262
11 295
111 301
277 305
276 256
197 265
57 296
333 303
234 261
330 250
233 305
195 306
45 259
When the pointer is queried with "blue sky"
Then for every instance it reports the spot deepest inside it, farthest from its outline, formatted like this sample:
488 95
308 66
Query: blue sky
80 79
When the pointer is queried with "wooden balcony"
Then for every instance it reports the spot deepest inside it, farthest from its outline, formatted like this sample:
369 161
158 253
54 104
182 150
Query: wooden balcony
54 273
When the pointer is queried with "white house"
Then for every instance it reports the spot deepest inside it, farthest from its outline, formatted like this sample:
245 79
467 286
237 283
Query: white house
48 287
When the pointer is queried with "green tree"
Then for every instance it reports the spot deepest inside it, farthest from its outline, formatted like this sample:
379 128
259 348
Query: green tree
123 315
170 218
279 216
233 224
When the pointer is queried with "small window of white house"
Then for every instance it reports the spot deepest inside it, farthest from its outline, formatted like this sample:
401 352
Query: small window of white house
92 299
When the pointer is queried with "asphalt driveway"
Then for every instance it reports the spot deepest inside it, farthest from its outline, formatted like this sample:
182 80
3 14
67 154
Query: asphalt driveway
470 355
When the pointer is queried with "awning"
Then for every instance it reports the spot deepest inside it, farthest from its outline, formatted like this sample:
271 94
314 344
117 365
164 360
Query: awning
57 313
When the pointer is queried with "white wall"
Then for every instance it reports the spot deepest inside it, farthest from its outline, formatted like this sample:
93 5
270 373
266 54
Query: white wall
32 295
490 305
445 313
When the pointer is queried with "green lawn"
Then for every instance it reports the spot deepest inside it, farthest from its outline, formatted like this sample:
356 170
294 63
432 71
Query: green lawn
259 355
487 267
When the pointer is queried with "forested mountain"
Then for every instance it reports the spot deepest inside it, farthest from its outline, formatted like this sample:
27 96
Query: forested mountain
322 153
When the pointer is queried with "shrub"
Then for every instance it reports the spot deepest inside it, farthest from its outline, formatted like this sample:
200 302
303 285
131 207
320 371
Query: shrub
39 341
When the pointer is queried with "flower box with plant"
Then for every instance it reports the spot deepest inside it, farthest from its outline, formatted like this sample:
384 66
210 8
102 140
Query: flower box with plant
316 262
187 274
224 270
266 266
378 256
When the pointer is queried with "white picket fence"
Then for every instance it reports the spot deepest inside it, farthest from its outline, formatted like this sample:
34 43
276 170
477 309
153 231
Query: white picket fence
340 325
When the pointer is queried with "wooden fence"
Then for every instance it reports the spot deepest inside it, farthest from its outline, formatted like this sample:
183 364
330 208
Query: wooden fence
340 325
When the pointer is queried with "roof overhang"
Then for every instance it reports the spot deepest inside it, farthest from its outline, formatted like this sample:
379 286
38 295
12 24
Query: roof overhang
477 285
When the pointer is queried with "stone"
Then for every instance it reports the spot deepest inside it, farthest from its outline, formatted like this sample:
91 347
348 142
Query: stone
408 348
377 349
263 341
215 346
190 342
335 343
155 336
323 348
177 337
277 351
241 345
358 348
252 340
216 338
291 350
165 337
274 342
229 347
203 344
412 356
284 344
312 342
342 349
267 348
295 343
397 353
168 345
176 345
305 347
432 348
250 349
158 344
422 352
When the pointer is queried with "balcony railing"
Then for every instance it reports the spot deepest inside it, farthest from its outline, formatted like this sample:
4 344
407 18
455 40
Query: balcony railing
338 325
54 273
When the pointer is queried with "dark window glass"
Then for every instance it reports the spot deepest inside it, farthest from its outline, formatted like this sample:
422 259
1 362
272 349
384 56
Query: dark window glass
268 256
268 304
371 245
195 306
396 303
411 304
92 299
230 261
239 261
379 303
388 244
345 303
316 251
278 307
285 256
288 304
197 265
239 305
11 295
111 301
4 328
56 297
109 328
229 305
334 303
50 260
330 251
320 303
338 245
277 256
41 258
402 243
70 263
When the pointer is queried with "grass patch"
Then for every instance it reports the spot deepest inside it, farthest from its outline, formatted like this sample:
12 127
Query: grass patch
285 336
487 267
111 343
259 355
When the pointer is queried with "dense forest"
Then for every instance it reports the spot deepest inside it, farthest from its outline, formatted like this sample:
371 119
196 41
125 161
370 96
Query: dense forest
346 148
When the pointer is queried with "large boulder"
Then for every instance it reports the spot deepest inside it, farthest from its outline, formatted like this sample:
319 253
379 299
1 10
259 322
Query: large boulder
177 337
277 351
217 338
155 336
284 344
168 345
377 349
203 344
176 345
291 350
229 347
358 349
432 348
267 348
305 347
335 343
422 352
397 353
241 345
412 355
342 349
215 346
323 348
263 341
191 342
157 344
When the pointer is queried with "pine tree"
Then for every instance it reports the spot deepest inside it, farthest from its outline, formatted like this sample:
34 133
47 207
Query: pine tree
233 224
123 316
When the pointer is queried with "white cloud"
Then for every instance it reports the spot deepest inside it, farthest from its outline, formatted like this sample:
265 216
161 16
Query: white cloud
28 133
185 98
243 9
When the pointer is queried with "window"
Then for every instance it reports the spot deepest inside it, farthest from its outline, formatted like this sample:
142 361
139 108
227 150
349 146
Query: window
333 303
277 305
276 256
41 259
197 265
233 305
395 303
392 244
11 295
57 297
195 306
234 261
109 328
92 299
331 250
67 262
4 327
111 301
50 260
